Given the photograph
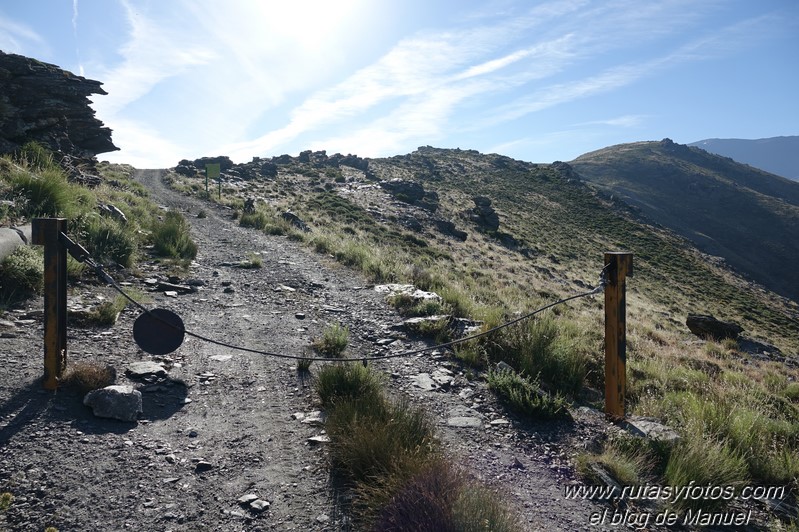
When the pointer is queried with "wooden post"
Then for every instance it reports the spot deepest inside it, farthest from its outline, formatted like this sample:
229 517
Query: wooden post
46 231
618 267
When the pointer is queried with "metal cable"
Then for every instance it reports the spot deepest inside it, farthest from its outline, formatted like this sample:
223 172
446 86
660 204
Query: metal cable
80 254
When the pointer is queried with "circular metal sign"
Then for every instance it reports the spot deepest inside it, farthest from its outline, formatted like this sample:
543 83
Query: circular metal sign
158 332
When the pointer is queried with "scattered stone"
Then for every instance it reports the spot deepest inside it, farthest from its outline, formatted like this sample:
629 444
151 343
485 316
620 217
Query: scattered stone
177 288
245 500
517 464
500 421
706 326
300 315
146 369
259 505
424 323
221 358
442 377
335 310
229 290
116 402
323 518
418 296
504 366
385 341
322 438
315 418
203 466
466 393
464 422
171 293
424 381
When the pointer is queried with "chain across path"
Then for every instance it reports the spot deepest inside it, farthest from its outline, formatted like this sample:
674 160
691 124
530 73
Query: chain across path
80 254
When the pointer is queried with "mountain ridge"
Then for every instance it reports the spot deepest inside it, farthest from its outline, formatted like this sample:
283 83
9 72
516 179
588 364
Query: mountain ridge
743 214
777 155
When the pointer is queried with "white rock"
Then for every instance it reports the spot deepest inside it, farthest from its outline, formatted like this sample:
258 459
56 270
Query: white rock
116 402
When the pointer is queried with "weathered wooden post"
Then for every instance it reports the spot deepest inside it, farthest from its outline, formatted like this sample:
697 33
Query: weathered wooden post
46 232
618 265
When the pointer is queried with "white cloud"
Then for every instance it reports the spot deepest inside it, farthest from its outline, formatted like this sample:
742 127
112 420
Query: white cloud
144 147
16 37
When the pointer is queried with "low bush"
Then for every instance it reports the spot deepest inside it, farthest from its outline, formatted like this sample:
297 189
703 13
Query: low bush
172 238
21 274
523 396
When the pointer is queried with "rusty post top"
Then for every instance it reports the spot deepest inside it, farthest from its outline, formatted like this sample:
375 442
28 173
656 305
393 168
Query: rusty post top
40 227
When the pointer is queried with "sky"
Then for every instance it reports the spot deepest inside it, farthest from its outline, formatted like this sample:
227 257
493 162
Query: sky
538 81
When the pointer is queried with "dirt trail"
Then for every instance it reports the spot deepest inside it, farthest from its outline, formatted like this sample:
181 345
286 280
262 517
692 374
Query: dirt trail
231 430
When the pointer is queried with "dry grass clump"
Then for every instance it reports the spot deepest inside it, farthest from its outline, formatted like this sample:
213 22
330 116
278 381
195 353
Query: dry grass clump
88 376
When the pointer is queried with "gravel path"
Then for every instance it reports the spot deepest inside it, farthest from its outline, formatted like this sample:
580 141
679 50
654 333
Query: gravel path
224 424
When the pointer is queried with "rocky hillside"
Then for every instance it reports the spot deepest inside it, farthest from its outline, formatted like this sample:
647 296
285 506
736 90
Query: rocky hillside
41 102
473 217
778 155
748 217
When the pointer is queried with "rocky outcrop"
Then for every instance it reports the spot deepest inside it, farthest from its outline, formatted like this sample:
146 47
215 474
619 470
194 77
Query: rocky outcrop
43 103
412 193
483 214
706 326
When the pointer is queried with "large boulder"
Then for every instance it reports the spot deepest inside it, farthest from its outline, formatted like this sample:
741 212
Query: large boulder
41 102
708 327
117 402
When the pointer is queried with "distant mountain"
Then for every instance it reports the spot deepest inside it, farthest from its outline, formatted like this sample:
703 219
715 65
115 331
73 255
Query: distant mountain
745 215
778 155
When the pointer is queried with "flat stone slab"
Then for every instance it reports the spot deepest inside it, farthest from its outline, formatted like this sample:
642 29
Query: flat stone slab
424 381
651 429
465 422
408 290
143 369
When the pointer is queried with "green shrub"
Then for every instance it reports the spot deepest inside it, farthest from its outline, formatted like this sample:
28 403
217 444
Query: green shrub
538 348
172 238
108 239
22 273
347 381
46 193
256 220
106 313
5 501
524 396
334 340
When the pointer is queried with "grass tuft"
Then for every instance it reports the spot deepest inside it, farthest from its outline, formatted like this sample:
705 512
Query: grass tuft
333 342
347 382
171 238
21 274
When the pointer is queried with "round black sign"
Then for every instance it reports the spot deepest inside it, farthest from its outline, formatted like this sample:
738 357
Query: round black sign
158 332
